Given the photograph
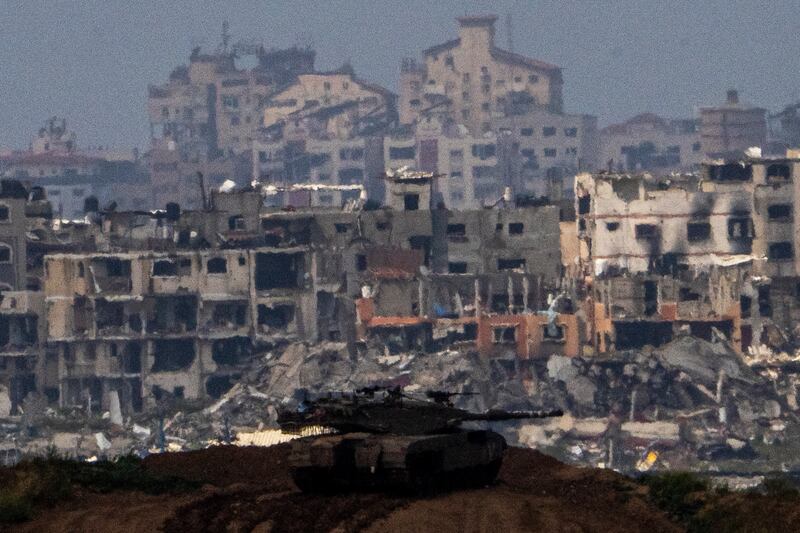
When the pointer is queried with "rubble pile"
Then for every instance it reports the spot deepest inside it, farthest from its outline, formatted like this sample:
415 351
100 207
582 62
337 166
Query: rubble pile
284 377
690 403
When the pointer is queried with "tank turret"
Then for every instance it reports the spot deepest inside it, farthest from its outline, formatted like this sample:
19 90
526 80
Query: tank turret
377 437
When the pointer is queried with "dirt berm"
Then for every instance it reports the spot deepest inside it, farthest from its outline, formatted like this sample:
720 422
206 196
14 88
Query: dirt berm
249 489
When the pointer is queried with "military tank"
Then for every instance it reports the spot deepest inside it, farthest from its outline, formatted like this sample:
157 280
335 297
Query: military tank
383 439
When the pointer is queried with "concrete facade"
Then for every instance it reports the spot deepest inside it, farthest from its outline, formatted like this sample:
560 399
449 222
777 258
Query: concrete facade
325 130
648 142
474 80
211 107
702 251
184 323
732 127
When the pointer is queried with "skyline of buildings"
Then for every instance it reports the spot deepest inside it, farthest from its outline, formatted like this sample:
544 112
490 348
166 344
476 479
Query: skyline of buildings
484 117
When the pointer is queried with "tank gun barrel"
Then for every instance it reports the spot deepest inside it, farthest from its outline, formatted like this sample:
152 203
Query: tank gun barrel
497 415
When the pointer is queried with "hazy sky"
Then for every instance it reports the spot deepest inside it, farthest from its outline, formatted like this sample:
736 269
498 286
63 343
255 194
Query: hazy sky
91 60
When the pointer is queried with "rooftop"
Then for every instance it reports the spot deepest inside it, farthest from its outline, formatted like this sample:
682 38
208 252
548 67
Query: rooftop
477 20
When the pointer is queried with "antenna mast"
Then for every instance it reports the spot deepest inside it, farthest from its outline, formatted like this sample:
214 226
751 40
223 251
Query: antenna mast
226 37
510 32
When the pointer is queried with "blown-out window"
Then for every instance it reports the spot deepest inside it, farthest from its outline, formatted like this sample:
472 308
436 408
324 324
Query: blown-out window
217 265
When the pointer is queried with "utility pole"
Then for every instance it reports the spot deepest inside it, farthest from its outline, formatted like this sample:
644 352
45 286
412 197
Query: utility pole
202 184
510 32
226 36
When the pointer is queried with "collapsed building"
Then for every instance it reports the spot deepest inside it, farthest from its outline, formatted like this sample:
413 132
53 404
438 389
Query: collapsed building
173 304
243 305
713 251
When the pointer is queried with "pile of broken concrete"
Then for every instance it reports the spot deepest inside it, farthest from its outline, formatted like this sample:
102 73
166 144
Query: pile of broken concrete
689 403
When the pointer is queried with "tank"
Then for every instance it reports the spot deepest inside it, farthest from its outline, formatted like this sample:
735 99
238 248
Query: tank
383 439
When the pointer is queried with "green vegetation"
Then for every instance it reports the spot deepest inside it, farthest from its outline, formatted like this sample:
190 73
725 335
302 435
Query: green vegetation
43 482
701 507
780 488
677 493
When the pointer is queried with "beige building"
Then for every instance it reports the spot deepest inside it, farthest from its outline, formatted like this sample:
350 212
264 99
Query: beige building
713 249
311 93
648 142
732 127
468 165
325 129
70 175
473 80
539 152
175 178
205 116
336 167
145 326
212 107
535 153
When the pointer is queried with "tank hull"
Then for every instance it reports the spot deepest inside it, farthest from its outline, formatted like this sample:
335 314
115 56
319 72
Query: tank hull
417 462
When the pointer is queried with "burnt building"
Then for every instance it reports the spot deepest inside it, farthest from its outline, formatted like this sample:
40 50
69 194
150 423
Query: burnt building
704 251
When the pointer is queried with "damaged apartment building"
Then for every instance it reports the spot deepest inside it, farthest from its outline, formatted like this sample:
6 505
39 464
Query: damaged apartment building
178 304
489 118
206 115
711 253
324 132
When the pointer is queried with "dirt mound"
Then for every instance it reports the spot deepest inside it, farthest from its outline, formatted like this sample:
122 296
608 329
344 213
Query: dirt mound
249 489
750 512
536 493
122 512
288 512
226 465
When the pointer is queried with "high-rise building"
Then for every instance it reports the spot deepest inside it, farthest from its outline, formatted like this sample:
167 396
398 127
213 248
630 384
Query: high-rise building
499 116
213 108
205 117
472 80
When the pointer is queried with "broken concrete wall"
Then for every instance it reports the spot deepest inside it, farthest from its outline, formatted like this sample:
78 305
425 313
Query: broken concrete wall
570 249
408 195
528 335
244 204
172 367
277 316
493 240
701 300
224 316
283 270
384 227
396 297
68 318
170 315
65 276
174 272
114 274
329 269
286 230
225 272
22 322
